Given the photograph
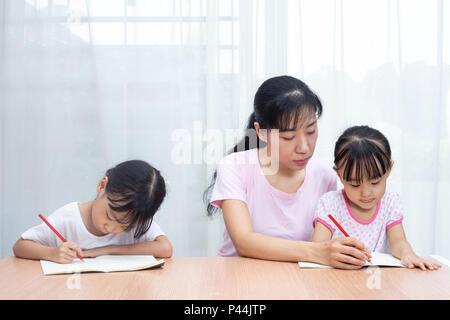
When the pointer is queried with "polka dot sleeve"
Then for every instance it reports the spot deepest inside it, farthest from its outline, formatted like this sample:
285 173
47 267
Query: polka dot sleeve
321 215
395 210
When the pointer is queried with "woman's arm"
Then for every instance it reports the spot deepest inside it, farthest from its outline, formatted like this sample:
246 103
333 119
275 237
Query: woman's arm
401 249
160 247
346 253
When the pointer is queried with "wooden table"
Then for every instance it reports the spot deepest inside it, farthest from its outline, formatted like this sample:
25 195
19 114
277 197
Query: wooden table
210 278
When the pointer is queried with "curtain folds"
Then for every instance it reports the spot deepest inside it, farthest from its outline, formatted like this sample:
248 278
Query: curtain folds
87 84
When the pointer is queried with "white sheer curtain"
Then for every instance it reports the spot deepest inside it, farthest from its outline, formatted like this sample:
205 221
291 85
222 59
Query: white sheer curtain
87 84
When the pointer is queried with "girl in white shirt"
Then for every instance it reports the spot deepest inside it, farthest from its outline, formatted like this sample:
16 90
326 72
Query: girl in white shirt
118 221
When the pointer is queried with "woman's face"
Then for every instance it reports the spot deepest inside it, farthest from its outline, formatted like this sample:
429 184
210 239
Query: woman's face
296 146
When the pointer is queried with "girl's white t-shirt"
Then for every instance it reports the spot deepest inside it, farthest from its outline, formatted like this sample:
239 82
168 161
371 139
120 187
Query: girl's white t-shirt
67 221
372 233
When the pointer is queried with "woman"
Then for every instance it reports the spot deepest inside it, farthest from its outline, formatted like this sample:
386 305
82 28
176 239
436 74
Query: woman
268 192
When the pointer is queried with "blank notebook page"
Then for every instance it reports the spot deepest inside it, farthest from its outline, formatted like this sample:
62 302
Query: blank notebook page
107 263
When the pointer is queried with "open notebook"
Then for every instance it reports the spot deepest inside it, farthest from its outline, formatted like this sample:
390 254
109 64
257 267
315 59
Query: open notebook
107 263
378 259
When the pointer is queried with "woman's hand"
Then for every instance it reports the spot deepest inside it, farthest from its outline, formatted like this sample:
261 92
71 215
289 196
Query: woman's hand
411 261
344 253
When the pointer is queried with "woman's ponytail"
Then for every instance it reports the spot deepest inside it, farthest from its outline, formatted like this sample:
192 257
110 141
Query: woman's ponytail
249 141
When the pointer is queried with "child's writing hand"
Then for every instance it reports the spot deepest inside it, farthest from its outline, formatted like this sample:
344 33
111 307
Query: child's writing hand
411 261
66 252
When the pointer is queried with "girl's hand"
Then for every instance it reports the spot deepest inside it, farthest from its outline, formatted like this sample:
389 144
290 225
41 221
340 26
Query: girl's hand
66 252
411 261
345 253
93 253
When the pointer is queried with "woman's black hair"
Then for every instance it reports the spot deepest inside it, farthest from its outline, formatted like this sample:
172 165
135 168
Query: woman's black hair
279 103
137 188
363 151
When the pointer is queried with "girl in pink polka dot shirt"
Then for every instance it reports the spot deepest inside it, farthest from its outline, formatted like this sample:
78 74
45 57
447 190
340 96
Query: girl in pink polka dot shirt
364 208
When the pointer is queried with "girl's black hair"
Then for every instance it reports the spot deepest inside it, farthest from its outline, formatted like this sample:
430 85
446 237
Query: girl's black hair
363 151
279 103
135 187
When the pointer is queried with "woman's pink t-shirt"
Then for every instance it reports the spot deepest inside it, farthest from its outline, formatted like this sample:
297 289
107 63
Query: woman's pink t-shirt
273 212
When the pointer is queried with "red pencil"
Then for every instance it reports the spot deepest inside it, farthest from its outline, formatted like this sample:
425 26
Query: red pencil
340 228
57 233
338 225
